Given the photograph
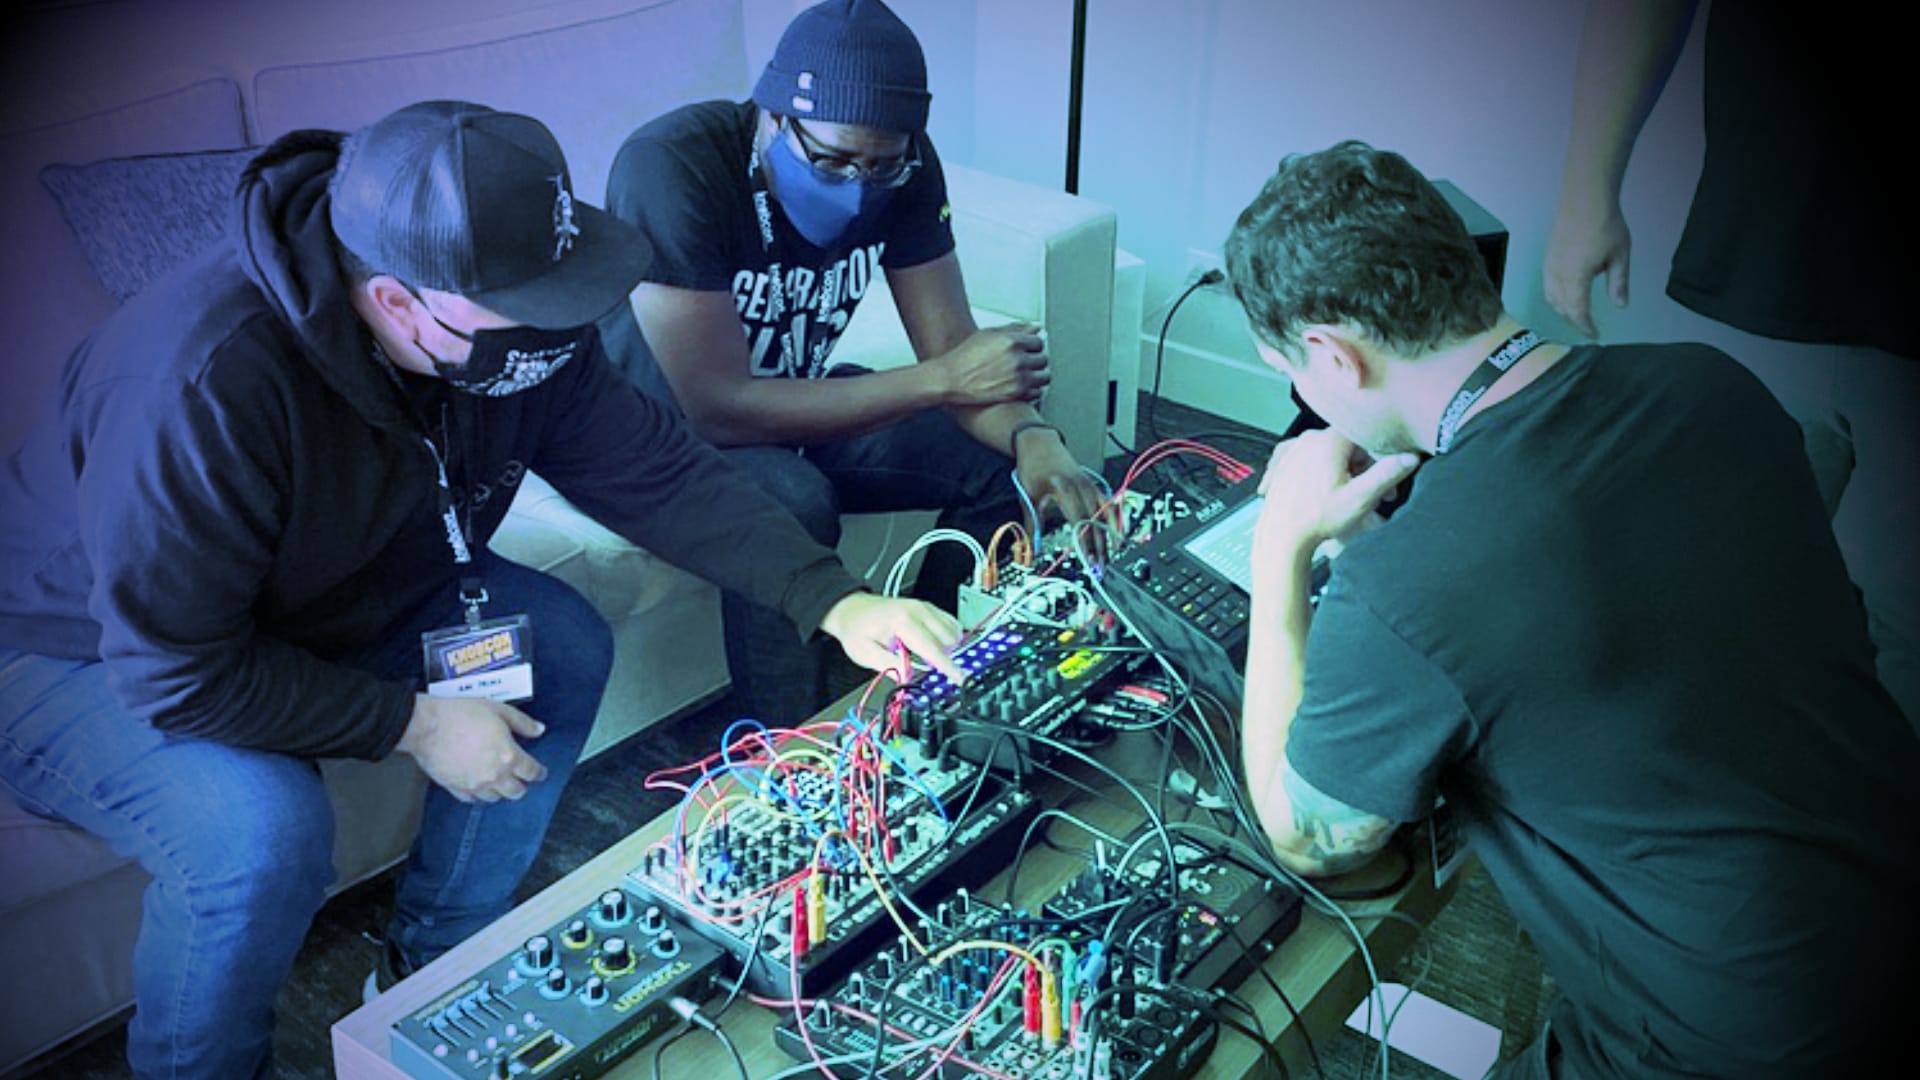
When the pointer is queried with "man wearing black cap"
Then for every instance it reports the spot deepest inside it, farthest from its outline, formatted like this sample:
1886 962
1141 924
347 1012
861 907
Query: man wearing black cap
265 494
773 217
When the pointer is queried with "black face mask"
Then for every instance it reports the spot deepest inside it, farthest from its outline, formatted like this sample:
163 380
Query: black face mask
507 360
511 359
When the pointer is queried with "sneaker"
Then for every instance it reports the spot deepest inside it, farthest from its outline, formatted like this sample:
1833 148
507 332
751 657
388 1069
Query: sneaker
390 968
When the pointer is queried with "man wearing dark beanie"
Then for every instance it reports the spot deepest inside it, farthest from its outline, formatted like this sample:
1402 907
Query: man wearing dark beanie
772 217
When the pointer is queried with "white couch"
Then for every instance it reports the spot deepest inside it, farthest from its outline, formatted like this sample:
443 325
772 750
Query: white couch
117 78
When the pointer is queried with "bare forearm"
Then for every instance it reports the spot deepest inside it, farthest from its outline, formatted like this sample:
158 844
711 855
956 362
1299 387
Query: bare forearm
794 412
1276 678
992 425
1627 50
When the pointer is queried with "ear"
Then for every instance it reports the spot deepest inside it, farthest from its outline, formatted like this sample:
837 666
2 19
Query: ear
385 295
1340 353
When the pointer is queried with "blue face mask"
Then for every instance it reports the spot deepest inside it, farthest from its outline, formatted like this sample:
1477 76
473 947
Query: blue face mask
821 209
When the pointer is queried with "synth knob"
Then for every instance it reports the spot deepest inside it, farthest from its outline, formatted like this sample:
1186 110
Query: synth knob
613 908
653 921
594 991
666 945
555 984
577 935
537 954
616 958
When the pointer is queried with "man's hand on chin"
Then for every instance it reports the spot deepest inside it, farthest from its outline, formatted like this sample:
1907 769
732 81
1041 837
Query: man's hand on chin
1320 486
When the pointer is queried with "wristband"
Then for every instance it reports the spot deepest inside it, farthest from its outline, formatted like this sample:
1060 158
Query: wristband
1024 426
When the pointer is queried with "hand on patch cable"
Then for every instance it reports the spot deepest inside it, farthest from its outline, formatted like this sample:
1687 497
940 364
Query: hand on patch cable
873 630
471 747
1005 363
1055 482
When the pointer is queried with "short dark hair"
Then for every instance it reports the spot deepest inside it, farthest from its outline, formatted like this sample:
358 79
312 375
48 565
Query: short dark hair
354 270
1356 235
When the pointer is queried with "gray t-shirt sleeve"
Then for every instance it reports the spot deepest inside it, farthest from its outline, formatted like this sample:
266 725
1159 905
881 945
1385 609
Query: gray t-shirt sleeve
1378 721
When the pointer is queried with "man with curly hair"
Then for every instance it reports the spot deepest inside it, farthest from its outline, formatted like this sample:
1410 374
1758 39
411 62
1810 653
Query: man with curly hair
1610 626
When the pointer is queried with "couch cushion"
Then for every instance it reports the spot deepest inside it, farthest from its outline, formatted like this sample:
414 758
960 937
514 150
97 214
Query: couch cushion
137 218
544 531
45 857
591 82
49 296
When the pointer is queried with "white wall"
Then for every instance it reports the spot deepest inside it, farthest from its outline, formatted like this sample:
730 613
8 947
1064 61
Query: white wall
1189 105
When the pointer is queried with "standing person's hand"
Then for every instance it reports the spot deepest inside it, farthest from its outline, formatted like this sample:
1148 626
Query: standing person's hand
1005 363
471 747
1589 238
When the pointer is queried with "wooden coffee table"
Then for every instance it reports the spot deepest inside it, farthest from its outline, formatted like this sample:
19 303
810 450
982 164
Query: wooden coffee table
1318 966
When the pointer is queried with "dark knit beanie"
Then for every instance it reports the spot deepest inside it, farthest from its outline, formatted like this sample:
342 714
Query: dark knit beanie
848 62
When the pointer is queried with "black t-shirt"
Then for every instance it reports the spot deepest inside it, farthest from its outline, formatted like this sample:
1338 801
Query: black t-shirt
1802 224
1613 629
683 178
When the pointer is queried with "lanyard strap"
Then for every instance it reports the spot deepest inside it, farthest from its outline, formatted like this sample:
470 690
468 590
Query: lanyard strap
826 294
1498 363
468 556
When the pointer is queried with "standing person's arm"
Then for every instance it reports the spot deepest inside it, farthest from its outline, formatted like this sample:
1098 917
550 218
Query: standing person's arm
1311 497
932 300
1627 50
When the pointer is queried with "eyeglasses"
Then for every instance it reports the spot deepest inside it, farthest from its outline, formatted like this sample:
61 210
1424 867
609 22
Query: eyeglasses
834 164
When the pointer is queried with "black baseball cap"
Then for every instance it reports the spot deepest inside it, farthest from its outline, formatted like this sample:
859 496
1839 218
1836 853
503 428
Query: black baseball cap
457 197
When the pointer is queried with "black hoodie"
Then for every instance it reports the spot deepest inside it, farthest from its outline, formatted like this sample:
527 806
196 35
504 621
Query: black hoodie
230 495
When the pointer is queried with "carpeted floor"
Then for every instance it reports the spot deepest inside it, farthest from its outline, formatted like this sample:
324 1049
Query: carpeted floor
1473 958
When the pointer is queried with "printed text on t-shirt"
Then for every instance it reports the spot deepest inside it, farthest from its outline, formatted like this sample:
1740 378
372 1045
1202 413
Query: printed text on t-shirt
816 306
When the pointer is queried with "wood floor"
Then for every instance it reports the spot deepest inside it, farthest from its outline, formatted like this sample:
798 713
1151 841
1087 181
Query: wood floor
1474 958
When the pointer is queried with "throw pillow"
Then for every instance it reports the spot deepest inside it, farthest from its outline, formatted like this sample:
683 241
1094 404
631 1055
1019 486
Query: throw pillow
137 218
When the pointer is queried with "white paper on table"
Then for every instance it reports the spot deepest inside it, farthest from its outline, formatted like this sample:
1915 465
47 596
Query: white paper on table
1438 1034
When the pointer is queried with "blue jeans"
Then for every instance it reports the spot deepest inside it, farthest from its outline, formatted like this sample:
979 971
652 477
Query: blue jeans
924 462
239 842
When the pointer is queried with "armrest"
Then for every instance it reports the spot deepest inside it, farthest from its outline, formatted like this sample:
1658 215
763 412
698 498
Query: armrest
1045 256
1030 254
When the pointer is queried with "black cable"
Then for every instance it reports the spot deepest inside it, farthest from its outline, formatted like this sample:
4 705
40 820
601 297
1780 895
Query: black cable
1211 277
1166 768
1259 965
1268 1050
690 1013
1159 823
732 1051
1026 840
661 1049
739 983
